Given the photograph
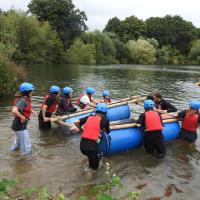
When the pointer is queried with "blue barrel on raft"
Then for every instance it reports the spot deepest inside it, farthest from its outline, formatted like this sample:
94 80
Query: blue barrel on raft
115 113
120 140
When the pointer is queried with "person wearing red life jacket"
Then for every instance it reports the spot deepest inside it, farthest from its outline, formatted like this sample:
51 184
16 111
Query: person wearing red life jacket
151 121
22 109
86 100
65 106
94 125
190 121
48 107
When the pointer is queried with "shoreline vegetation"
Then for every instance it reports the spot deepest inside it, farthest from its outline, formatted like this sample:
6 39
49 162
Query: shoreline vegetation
55 32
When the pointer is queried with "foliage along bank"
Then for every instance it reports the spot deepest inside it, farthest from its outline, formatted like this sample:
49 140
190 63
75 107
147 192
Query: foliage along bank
54 31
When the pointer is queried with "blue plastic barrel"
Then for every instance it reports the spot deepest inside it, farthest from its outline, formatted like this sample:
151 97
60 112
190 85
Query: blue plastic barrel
124 139
171 131
114 114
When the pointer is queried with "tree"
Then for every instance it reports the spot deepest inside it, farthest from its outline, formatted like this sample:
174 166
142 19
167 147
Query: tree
195 52
80 53
113 25
68 22
141 52
104 47
171 30
132 28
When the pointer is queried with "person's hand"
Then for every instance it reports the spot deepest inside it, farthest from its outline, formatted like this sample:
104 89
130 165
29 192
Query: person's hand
46 119
34 112
23 119
74 129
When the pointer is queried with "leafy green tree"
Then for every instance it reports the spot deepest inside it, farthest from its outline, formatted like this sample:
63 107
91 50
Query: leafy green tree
68 21
26 40
132 28
171 30
113 25
195 52
122 51
141 52
8 34
104 47
169 55
80 53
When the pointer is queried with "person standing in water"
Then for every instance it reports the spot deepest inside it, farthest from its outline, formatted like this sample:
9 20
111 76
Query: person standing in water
151 122
106 97
86 100
22 110
48 107
161 105
94 126
190 121
65 106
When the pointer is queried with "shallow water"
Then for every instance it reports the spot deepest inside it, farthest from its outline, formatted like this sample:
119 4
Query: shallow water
56 160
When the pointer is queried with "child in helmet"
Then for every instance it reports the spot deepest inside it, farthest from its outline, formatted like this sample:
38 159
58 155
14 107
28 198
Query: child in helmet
93 126
85 100
48 107
106 97
190 121
22 110
151 121
65 106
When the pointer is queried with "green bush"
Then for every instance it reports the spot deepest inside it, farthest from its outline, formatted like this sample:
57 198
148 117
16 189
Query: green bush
10 76
80 53
141 52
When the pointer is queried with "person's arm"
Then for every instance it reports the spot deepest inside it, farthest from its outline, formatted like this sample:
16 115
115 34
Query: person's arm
79 123
141 120
169 107
49 102
17 114
19 108
198 121
105 125
181 114
44 110
34 112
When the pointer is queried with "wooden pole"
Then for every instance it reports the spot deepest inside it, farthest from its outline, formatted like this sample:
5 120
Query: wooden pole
134 125
92 110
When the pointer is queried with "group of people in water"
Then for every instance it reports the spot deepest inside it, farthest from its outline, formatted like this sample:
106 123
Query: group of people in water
59 102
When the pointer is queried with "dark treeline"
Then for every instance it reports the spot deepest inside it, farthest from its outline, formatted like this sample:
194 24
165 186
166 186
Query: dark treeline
54 31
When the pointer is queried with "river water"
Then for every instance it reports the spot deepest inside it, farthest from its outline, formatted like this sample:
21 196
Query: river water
56 160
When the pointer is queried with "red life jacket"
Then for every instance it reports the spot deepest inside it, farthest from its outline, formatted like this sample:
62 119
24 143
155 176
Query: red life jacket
68 101
27 110
52 108
92 128
79 103
190 122
153 121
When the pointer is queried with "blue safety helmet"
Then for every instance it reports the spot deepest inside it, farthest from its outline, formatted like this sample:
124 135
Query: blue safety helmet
67 90
148 104
106 93
101 107
90 90
26 87
194 105
54 89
